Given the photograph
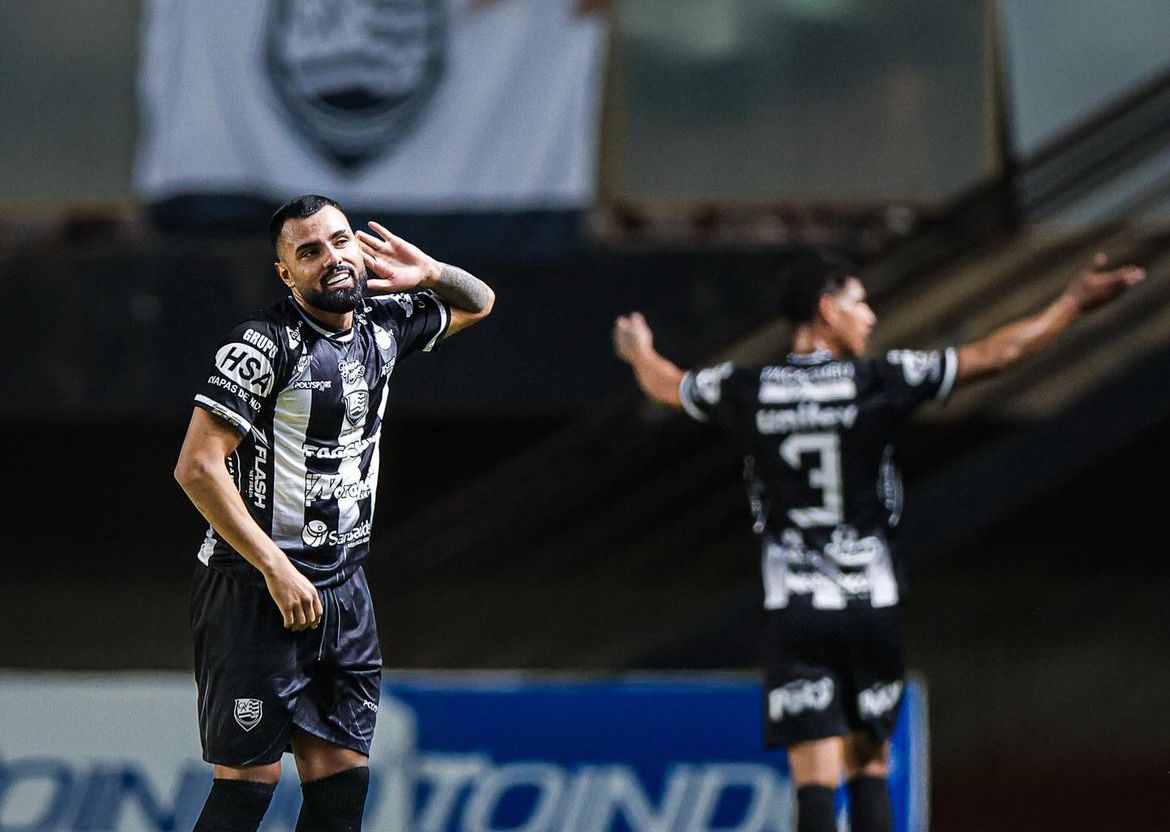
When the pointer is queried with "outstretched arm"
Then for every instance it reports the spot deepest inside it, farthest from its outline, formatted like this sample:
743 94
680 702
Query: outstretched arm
399 266
1011 343
658 377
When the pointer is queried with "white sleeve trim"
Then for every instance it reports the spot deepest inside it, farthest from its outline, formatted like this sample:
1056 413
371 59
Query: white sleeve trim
219 410
950 373
445 321
688 405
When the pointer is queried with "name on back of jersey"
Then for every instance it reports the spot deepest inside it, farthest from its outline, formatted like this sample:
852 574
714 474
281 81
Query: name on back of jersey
805 416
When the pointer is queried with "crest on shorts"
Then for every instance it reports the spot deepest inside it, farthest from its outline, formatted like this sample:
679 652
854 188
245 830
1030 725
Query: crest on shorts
248 713
353 76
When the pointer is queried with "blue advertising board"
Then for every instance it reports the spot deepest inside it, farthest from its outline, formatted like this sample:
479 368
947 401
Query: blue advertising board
518 753
452 753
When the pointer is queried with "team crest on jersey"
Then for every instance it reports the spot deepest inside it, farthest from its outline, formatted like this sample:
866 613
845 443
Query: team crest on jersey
248 713
356 405
355 75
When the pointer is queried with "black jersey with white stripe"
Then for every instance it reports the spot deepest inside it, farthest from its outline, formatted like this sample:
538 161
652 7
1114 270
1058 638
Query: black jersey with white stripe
824 487
308 403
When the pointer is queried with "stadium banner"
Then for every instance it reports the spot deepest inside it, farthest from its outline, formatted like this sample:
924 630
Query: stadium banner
452 753
428 105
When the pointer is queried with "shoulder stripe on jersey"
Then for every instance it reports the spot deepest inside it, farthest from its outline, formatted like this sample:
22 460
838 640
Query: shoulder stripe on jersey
684 395
444 322
290 424
950 372
219 410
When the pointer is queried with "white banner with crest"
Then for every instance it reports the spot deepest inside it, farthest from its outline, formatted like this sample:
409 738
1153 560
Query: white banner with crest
429 105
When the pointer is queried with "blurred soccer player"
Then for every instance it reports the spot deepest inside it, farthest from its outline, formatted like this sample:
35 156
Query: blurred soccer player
281 457
818 432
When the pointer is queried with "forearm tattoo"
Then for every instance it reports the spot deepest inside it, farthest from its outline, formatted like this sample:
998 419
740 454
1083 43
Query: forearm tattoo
461 289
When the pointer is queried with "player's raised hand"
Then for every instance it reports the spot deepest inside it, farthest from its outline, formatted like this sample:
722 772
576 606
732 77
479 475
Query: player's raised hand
395 265
296 598
631 336
1098 285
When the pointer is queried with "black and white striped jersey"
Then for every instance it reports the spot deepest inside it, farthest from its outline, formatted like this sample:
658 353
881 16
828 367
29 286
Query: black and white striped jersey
308 403
825 491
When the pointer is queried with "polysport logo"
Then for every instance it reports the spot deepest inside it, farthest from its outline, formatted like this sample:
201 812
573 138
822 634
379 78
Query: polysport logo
314 533
248 713
799 696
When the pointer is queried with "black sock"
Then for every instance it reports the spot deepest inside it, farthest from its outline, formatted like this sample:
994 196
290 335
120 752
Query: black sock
814 809
335 803
234 806
869 805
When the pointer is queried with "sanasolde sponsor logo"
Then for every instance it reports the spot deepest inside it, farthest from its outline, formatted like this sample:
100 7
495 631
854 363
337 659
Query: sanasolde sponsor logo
334 487
315 534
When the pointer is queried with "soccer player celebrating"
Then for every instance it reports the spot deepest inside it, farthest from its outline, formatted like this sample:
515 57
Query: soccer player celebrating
281 458
818 432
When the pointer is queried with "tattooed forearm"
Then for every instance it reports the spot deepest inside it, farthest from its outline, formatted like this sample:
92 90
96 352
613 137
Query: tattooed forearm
461 289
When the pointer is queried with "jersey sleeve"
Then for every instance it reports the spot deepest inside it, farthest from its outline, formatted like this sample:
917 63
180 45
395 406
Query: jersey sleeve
913 376
706 394
419 319
243 375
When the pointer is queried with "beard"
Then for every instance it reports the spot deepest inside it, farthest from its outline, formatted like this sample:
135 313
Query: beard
339 300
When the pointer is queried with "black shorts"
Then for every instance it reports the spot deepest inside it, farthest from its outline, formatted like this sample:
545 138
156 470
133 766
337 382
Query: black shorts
829 673
258 680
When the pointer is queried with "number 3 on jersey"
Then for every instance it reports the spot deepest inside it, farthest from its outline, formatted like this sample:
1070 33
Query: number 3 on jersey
825 477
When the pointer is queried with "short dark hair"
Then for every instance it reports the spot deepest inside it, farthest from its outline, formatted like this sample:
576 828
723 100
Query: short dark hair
806 279
296 208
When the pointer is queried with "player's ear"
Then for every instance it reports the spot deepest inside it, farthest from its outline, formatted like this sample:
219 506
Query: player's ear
827 308
283 274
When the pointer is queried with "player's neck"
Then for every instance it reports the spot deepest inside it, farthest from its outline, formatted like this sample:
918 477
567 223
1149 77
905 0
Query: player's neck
810 338
337 321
